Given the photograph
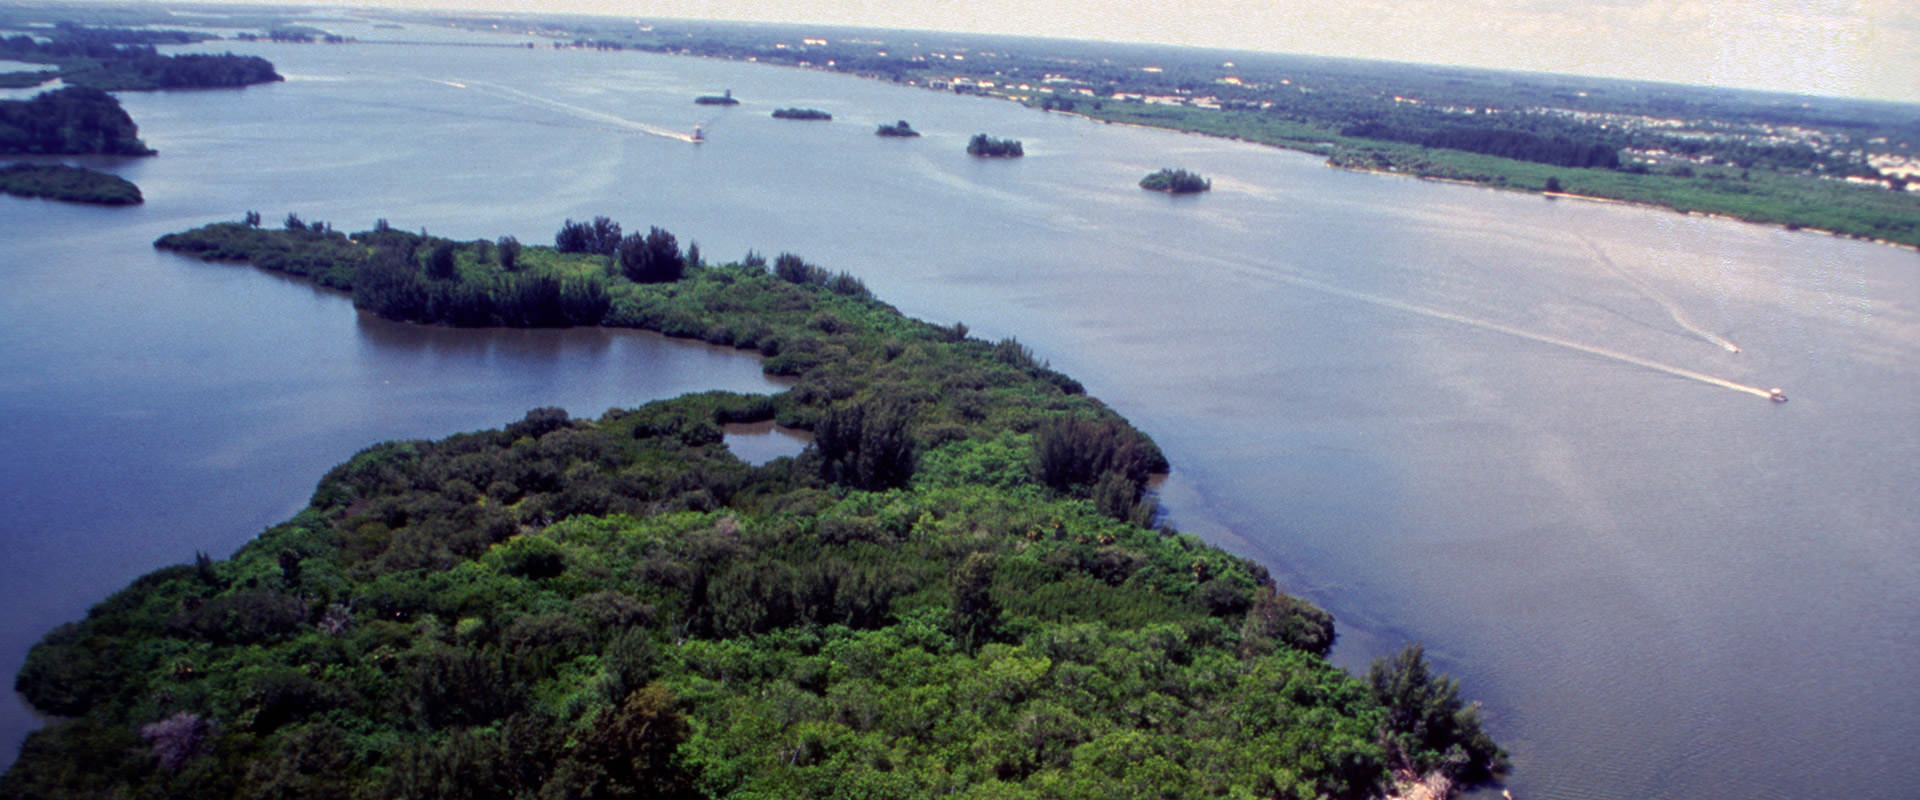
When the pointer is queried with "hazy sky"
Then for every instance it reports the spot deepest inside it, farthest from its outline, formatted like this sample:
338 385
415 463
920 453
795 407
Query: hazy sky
1859 48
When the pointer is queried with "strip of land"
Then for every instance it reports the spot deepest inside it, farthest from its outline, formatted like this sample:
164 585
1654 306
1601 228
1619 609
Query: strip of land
68 184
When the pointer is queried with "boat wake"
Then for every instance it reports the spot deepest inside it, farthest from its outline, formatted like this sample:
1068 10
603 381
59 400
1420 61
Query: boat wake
1302 281
513 95
1674 312
1775 395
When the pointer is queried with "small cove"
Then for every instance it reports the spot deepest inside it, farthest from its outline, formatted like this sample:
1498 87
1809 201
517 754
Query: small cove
760 442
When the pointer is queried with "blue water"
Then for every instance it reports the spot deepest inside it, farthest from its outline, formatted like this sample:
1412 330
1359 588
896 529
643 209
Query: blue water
1424 406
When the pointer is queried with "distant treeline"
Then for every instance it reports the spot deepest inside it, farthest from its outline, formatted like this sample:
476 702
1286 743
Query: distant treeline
104 59
74 120
1503 142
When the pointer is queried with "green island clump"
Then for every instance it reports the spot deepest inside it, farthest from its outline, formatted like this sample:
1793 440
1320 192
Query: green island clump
726 99
68 183
1176 181
72 120
801 113
988 147
953 591
900 129
119 59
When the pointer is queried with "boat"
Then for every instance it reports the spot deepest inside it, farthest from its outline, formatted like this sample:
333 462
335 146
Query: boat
1776 394
697 135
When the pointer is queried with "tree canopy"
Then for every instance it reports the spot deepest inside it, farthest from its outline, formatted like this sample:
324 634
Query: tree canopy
73 120
954 591
989 147
1175 181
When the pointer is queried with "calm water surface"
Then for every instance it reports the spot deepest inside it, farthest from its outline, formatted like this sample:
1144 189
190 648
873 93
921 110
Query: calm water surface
1505 426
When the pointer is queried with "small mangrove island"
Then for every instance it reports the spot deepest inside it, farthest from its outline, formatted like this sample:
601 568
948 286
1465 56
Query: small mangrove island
956 589
1176 181
801 113
68 184
986 146
723 99
900 129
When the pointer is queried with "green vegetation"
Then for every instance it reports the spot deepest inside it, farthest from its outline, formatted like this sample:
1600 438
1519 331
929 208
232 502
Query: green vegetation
117 59
952 592
26 79
73 120
988 147
71 184
1750 194
801 113
1175 181
900 129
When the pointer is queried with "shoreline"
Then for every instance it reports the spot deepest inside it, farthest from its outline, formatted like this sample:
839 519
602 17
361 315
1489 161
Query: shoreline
1786 226
1790 226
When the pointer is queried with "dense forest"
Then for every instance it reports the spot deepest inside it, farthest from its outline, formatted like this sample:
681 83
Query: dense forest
72 120
955 590
68 183
1496 141
801 113
900 129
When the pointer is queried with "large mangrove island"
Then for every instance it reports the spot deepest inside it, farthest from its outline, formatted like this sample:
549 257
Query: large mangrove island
957 589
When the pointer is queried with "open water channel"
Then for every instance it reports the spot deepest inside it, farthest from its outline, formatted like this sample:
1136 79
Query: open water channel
1513 428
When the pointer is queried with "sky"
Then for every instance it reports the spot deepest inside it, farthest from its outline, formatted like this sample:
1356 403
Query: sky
1848 48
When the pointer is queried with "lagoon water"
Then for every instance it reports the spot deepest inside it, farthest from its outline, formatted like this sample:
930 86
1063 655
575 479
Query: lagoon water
1505 426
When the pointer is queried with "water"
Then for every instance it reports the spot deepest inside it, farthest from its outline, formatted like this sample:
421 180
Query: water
1502 425
760 442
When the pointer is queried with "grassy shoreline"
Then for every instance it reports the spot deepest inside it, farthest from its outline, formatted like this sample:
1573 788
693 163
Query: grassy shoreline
1752 196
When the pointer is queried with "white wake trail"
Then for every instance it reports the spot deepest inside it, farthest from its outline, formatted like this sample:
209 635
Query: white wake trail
1509 330
1677 314
524 98
1323 287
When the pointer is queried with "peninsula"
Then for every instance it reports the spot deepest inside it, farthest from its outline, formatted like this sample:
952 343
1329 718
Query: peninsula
74 120
953 590
125 59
